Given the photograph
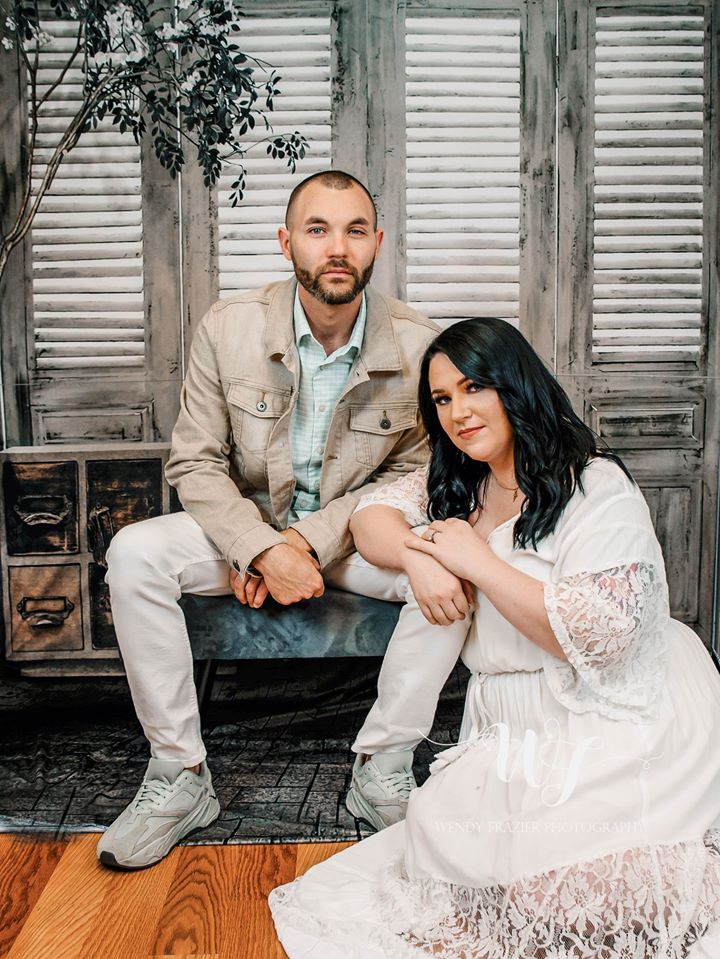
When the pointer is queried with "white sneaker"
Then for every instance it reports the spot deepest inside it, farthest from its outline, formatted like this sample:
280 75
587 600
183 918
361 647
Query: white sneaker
171 803
380 788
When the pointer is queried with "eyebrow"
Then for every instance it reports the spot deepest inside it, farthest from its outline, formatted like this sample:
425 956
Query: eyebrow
318 220
464 379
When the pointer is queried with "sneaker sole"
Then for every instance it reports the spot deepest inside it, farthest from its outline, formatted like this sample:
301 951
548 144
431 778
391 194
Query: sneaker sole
360 808
207 814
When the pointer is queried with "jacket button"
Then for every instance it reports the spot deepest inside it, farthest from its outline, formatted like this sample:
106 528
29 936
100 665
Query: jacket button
261 406
385 423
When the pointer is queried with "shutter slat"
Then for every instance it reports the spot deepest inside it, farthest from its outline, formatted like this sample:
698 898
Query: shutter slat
69 334
89 362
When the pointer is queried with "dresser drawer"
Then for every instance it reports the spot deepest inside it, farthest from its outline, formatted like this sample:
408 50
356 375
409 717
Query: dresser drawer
41 508
45 608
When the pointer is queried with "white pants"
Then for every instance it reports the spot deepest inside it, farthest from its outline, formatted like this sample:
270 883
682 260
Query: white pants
150 564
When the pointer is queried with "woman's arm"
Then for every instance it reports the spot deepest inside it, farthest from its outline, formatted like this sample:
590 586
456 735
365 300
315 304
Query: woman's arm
520 599
516 596
380 533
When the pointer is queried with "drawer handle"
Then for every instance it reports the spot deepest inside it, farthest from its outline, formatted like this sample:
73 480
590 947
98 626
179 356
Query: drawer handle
42 510
45 611
100 531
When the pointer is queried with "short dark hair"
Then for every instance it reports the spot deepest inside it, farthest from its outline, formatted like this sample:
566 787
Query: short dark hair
335 180
552 444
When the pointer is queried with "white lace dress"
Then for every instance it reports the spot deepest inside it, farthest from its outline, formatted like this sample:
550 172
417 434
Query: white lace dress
578 817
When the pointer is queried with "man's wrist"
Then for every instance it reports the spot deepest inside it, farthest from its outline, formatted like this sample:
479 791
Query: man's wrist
259 560
298 541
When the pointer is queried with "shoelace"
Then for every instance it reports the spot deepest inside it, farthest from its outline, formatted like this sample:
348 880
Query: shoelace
400 781
152 791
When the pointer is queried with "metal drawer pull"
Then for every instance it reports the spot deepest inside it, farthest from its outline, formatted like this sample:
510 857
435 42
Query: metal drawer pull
45 611
100 531
42 510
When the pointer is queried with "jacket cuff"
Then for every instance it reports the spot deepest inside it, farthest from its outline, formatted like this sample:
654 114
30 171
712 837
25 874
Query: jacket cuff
322 538
250 544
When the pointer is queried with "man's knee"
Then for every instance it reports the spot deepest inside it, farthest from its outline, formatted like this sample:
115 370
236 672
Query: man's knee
133 551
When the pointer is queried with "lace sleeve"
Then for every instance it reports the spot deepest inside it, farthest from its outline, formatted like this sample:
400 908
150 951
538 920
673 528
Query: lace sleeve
611 625
407 494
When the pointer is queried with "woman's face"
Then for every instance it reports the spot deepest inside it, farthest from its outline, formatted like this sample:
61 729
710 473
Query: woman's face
472 416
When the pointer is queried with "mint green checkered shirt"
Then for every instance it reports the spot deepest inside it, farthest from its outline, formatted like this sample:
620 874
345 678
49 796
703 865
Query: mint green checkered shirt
322 379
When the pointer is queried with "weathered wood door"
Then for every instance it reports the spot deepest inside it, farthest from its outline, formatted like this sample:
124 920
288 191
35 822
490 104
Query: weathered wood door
90 304
638 261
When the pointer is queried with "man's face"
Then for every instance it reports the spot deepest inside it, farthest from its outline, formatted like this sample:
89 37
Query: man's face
331 241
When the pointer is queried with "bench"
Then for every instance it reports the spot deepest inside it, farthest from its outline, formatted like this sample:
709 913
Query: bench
336 625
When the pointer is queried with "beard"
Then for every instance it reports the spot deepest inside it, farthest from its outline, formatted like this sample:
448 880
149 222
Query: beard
313 282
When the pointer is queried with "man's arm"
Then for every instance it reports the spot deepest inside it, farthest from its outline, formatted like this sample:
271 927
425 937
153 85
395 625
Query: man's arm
199 467
327 530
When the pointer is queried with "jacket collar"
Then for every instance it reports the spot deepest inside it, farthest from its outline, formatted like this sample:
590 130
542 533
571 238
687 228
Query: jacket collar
379 349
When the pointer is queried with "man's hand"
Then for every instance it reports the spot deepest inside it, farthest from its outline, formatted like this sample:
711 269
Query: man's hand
249 590
252 590
443 597
289 574
298 541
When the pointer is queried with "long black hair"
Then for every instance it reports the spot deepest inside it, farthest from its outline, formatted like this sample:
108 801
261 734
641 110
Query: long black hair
552 444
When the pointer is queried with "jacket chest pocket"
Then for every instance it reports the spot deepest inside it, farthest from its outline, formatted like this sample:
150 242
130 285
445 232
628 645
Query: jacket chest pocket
376 430
254 411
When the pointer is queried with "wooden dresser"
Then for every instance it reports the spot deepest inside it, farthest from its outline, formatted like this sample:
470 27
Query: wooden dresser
60 507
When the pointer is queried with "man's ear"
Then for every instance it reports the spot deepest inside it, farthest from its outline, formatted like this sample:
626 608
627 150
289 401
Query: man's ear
379 235
284 241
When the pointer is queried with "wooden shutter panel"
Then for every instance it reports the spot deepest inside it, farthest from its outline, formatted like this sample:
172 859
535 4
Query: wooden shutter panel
299 49
463 184
87 251
648 193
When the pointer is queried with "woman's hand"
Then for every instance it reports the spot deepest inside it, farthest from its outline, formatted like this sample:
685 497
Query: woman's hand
443 598
456 545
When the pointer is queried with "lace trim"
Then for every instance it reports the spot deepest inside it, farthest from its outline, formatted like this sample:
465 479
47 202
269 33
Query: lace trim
652 902
407 494
612 627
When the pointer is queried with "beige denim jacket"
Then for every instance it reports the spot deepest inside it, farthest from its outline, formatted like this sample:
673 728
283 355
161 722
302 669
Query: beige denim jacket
231 460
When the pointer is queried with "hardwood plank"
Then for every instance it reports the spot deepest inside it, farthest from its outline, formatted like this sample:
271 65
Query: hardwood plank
129 911
249 926
254 934
68 906
189 922
26 865
311 853
218 902
263 868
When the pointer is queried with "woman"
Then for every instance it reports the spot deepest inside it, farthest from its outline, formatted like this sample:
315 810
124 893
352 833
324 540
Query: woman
577 818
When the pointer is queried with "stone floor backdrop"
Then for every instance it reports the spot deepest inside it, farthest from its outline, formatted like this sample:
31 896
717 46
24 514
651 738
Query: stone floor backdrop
278 736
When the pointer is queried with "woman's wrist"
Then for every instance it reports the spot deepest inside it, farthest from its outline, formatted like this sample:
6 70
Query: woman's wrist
407 558
487 569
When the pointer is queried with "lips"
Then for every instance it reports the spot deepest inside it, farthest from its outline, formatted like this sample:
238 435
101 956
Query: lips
466 434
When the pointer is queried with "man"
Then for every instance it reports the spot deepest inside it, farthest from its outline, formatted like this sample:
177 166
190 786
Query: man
298 399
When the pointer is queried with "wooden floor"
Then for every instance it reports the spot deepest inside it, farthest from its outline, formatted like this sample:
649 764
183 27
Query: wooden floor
204 902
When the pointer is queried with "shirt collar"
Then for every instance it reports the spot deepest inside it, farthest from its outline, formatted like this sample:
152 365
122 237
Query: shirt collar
302 328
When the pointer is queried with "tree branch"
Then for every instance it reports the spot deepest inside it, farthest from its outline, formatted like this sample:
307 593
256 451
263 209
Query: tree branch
46 96
69 139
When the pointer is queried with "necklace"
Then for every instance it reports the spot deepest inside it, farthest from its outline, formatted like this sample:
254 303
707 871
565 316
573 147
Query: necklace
508 489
